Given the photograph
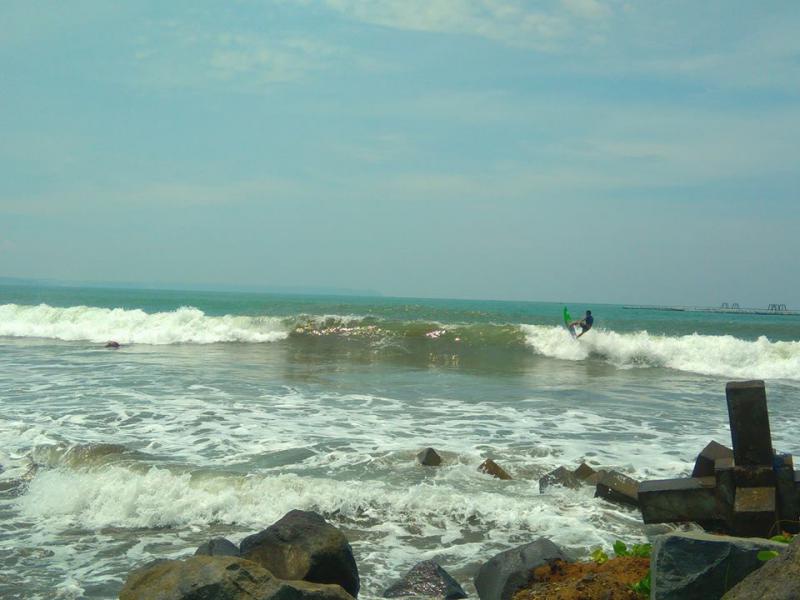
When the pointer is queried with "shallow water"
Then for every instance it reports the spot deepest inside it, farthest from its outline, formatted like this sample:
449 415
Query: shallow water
114 457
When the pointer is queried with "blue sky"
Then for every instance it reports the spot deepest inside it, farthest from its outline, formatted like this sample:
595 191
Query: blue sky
570 150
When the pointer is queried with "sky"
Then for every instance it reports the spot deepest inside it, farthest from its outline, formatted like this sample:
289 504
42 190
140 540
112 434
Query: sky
563 150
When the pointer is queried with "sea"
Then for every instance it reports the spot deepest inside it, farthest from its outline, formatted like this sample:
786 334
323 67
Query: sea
221 412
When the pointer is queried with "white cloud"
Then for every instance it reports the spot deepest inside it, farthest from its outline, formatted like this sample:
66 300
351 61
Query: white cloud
179 56
508 21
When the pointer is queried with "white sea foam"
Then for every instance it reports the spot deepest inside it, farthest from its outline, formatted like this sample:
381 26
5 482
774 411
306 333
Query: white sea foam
184 325
721 355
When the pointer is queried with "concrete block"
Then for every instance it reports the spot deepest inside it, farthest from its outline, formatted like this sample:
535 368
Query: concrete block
616 487
561 476
750 433
679 500
704 464
429 458
788 496
492 468
754 476
755 512
584 472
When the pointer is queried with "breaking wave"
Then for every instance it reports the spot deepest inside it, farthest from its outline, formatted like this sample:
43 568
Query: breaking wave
717 355
185 325
721 355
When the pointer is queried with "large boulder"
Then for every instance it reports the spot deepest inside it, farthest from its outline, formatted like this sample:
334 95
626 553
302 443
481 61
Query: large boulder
219 578
777 579
699 566
303 545
504 574
218 547
426 580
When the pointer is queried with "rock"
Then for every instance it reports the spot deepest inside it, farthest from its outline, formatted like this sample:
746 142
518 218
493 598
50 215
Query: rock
616 487
219 578
217 547
699 566
777 579
502 575
302 545
492 468
112 344
704 464
429 458
561 476
426 580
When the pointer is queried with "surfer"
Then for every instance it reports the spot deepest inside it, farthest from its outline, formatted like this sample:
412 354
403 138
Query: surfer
585 323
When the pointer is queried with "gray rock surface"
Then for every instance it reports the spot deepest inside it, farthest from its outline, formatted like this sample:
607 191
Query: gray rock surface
303 545
426 580
505 573
702 566
219 578
218 547
777 579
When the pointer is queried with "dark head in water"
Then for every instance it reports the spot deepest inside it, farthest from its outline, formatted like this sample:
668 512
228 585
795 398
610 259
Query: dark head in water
588 313
112 344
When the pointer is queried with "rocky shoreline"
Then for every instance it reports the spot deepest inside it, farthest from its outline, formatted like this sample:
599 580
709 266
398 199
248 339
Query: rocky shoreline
304 557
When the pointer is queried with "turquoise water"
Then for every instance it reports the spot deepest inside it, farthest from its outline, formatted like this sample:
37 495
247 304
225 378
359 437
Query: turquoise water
221 412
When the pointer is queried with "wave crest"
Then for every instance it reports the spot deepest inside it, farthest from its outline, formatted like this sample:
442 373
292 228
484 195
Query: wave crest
184 325
720 355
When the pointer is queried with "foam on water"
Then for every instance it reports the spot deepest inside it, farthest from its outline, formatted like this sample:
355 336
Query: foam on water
722 355
185 325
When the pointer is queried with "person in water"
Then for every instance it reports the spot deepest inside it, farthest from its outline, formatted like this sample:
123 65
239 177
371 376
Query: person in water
585 323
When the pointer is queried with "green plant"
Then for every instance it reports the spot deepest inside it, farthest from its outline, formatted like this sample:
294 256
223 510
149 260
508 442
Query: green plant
642 587
783 538
638 550
599 556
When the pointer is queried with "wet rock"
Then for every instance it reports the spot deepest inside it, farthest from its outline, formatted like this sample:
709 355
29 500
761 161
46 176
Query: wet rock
699 566
429 458
426 580
561 476
219 578
492 468
777 579
217 547
504 574
616 487
112 344
302 545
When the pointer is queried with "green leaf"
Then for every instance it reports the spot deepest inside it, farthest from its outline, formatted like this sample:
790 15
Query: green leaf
782 538
599 556
642 586
641 550
620 549
766 555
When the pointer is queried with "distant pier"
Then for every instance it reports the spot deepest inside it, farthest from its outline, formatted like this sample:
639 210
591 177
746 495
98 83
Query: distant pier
774 309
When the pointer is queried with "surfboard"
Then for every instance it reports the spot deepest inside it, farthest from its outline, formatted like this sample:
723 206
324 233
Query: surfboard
567 321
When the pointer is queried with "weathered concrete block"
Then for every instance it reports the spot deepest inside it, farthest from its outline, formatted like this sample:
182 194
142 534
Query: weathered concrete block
588 475
754 476
755 512
788 496
492 468
429 458
750 433
705 462
616 487
700 566
679 500
561 476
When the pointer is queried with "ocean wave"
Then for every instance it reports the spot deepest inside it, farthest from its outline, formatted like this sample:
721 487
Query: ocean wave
719 355
184 325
